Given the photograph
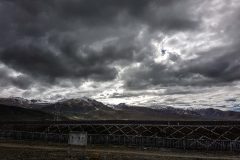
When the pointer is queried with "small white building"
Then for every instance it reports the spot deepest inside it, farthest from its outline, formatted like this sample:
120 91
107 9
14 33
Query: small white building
77 138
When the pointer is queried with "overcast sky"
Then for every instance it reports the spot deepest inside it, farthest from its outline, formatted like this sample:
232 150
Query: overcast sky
110 50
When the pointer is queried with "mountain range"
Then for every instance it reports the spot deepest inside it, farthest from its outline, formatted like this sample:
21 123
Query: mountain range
16 108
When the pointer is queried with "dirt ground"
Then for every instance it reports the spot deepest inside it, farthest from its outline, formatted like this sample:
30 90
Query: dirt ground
22 150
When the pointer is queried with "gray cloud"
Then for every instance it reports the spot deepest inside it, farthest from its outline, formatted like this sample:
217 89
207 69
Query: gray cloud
51 40
231 100
58 47
222 67
168 15
21 81
216 66
41 62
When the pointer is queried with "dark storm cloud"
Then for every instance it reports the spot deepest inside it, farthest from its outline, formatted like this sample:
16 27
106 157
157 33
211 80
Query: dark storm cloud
40 62
221 63
152 74
224 68
21 81
28 18
154 13
218 67
49 40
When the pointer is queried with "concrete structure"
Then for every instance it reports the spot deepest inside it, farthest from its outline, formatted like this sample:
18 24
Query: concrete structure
77 138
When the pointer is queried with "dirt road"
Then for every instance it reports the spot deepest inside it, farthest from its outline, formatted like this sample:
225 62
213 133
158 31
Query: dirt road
36 151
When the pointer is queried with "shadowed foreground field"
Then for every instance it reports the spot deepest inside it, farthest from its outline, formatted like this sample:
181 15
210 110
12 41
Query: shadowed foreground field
13 150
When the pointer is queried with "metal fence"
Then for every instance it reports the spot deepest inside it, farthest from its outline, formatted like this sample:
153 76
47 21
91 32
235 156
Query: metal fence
136 141
35 136
159 142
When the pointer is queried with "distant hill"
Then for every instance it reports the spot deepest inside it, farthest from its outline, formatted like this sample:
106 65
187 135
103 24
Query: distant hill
145 113
211 113
90 109
81 108
171 113
24 103
86 108
13 113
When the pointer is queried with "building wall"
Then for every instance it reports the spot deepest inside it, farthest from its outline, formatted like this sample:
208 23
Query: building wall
77 138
